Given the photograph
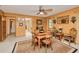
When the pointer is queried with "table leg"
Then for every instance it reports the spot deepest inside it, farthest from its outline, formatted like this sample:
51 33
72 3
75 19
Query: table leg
46 49
69 41
39 43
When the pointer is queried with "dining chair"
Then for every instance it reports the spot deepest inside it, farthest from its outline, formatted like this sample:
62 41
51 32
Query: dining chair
34 40
73 34
47 42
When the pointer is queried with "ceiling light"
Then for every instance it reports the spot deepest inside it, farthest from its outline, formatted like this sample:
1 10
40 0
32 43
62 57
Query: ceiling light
41 13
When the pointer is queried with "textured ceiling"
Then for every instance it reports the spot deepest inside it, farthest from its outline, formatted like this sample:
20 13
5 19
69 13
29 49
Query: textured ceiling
33 9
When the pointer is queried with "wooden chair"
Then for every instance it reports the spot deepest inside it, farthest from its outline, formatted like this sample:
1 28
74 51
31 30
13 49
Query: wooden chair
71 37
73 34
34 40
47 42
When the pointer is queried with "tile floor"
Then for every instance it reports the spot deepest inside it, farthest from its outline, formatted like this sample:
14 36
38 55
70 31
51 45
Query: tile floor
7 45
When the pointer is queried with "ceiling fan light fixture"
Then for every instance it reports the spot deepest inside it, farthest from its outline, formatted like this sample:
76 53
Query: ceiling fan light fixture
41 13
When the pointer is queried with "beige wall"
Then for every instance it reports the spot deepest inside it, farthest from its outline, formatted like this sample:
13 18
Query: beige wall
20 30
66 27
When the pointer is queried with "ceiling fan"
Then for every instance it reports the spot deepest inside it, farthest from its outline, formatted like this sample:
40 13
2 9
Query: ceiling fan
43 11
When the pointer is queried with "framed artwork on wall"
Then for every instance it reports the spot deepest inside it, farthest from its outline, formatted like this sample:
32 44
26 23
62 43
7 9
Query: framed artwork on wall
73 19
39 22
39 25
54 21
20 24
63 19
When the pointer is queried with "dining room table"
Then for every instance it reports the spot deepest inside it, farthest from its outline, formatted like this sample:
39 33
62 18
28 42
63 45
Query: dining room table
41 36
59 36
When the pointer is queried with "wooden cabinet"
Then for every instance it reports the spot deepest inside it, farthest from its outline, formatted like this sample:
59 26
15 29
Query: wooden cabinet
2 27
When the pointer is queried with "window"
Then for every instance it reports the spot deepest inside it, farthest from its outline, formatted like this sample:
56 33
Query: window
50 24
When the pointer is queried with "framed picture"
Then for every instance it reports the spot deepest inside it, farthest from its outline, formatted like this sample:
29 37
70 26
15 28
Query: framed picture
63 20
73 19
54 21
39 25
20 24
39 22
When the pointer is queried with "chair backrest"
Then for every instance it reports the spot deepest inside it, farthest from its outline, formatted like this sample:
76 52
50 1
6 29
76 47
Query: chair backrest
73 32
49 32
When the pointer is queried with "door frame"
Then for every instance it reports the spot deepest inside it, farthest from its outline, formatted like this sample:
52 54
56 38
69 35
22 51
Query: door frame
13 20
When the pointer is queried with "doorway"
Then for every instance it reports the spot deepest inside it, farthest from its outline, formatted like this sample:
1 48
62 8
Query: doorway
28 24
12 26
28 28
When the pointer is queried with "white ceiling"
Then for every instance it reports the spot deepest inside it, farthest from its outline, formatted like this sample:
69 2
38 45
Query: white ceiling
33 9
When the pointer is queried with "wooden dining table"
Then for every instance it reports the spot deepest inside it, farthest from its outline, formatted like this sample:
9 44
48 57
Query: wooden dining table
59 35
40 36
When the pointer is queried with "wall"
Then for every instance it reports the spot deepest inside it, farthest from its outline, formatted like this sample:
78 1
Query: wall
66 27
20 31
44 21
77 27
45 24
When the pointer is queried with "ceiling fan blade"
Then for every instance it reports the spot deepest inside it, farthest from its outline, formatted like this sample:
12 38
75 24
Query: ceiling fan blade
49 10
38 13
45 12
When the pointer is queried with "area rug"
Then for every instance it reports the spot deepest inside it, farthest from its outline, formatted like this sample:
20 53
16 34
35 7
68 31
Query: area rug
58 47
